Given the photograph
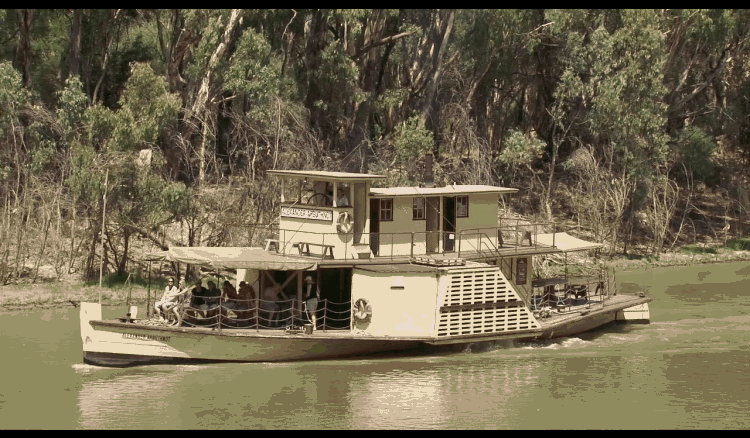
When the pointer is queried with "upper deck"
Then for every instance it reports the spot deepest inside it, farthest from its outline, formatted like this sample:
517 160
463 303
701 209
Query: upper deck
339 216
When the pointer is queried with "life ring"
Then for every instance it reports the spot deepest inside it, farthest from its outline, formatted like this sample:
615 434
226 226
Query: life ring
344 223
362 311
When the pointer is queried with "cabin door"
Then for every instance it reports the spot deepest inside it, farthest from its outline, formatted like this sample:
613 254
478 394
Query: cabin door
374 225
432 225
449 223
360 210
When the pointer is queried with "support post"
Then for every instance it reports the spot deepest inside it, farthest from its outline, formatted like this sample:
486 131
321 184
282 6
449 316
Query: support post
148 293
101 254
300 286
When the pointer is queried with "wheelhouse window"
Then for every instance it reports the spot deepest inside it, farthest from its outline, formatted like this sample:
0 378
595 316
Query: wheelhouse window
462 206
418 209
386 209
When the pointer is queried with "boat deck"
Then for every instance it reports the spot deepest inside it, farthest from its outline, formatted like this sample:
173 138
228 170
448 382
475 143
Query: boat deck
594 305
154 325
566 316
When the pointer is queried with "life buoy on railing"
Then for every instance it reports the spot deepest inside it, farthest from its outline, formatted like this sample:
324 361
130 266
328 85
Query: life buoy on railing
362 311
344 223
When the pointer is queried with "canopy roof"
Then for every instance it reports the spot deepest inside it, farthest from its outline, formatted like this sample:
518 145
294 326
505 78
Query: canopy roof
326 176
565 242
449 190
233 258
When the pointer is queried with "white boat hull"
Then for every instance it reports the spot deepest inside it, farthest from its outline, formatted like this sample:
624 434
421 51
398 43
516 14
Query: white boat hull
112 343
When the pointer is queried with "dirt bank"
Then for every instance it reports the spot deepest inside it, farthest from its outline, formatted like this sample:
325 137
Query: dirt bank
59 295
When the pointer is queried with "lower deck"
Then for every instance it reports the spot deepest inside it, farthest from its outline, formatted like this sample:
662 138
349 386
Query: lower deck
556 317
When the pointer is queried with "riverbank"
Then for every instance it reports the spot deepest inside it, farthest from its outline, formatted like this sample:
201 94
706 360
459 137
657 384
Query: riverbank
59 294
721 255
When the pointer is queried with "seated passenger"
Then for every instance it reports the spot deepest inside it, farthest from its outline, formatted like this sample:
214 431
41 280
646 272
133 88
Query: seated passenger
198 293
212 295
168 299
231 297
247 294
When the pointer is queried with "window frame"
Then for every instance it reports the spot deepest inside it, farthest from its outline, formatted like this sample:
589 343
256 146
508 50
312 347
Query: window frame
415 209
384 210
467 206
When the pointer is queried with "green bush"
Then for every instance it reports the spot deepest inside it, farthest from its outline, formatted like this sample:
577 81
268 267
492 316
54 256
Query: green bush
741 244
695 249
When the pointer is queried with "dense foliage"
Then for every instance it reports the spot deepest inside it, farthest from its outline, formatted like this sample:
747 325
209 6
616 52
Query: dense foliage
607 117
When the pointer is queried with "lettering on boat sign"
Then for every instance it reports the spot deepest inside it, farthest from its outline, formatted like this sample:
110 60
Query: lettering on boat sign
146 337
307 213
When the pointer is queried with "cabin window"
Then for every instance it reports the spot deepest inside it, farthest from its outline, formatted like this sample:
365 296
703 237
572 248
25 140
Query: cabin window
418 209
462 206
342 193
386 209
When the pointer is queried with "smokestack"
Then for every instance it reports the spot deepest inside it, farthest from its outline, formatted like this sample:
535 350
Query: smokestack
428 179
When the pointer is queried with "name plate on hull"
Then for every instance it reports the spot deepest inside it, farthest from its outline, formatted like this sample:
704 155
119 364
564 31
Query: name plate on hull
146 337
307 213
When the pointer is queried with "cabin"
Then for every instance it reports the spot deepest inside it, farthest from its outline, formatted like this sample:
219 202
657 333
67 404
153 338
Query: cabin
341 216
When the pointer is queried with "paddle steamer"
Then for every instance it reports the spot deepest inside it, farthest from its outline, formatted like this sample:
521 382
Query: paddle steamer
398 268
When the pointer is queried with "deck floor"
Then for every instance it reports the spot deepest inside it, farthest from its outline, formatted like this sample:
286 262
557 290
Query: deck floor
593 305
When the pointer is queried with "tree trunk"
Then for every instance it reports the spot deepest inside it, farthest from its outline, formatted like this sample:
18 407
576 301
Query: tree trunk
110 33
41 250
430 111
24 44
74 57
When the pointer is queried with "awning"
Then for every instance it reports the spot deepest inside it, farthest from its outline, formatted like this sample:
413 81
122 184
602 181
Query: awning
566 242
232 258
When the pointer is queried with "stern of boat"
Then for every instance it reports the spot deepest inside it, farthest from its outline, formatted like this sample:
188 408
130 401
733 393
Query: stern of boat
634 315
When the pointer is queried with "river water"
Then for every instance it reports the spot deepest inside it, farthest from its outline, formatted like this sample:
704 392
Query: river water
689 368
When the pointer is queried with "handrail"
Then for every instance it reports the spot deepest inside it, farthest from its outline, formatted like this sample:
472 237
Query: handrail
581 290
410 240
268 314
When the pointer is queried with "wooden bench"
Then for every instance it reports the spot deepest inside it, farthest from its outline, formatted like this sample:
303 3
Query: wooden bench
304 249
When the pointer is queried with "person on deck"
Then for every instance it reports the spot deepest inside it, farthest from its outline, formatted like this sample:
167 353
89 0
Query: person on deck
343 200
231 297
246 294
212 296
270 305
167 300
198 293
311 301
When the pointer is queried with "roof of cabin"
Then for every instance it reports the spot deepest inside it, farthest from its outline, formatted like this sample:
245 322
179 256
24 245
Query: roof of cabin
397 267
330 176
455 189
414 267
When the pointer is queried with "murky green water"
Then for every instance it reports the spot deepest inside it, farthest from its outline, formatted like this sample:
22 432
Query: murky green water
690 368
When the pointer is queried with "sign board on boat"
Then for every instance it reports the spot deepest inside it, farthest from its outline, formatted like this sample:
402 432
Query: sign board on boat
307 213
521 268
